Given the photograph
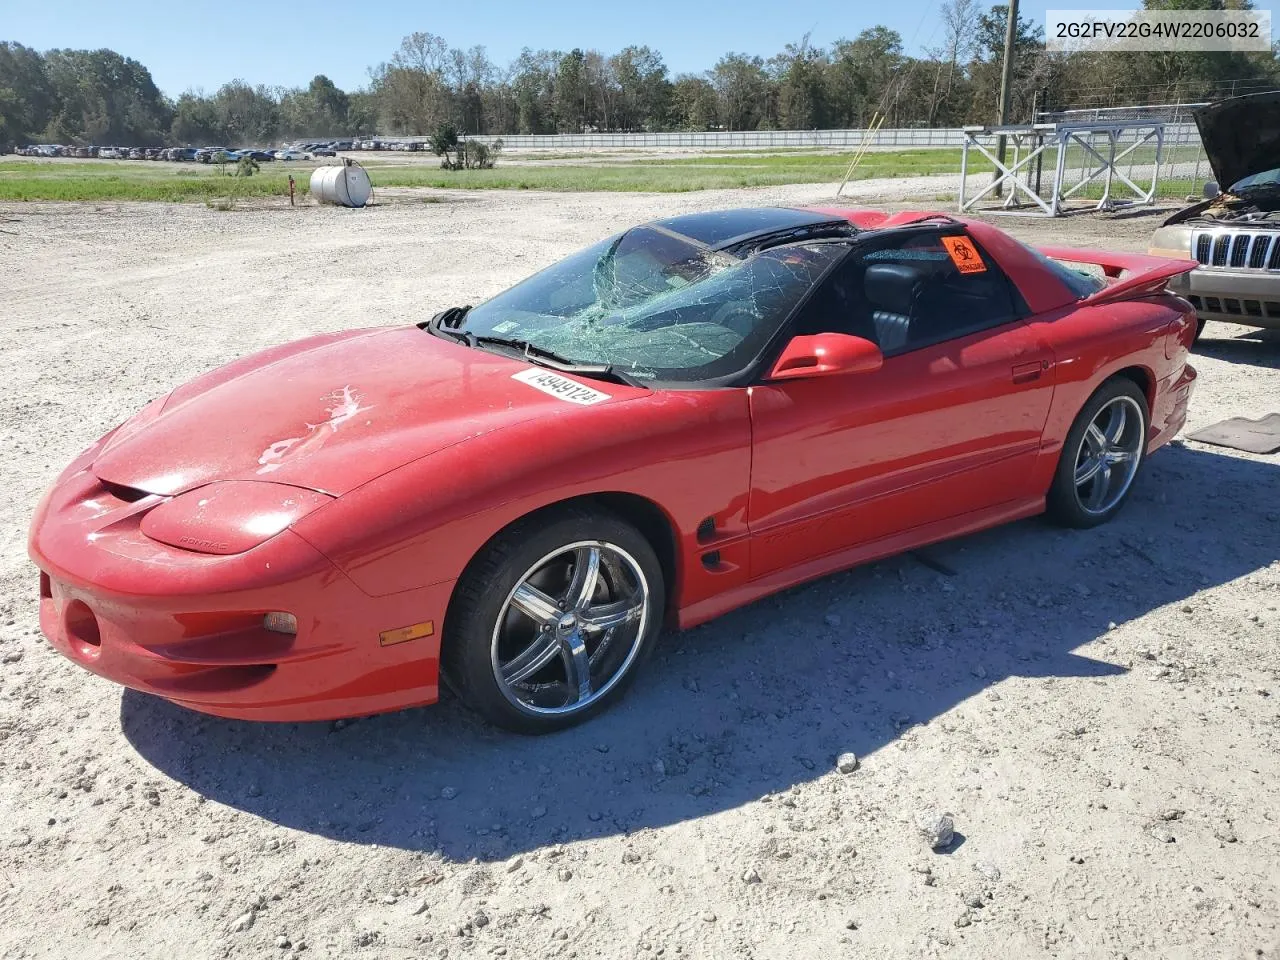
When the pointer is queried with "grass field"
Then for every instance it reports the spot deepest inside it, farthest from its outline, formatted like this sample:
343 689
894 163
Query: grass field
22 179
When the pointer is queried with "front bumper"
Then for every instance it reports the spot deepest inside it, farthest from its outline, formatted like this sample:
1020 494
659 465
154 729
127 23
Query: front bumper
1169 414
188 626
1235 296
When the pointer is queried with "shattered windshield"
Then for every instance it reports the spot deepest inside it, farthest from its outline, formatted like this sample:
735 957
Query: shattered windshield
657 305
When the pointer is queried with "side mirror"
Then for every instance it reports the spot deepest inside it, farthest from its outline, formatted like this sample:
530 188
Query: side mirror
1211 190
824 354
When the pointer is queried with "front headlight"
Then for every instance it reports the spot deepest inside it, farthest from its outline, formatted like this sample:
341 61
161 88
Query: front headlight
229 516
1173 242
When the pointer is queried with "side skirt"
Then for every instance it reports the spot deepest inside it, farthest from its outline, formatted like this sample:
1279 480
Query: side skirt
911 539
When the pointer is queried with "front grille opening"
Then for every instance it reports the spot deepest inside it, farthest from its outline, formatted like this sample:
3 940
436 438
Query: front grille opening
46 586
1195 301
1272 308
1203 246
1253 308
1258 252
1220 245
1213 303
1239 246
1231 305
121 492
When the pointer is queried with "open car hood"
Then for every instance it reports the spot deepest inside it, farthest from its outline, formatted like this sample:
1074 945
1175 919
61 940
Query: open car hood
336 411
1241 136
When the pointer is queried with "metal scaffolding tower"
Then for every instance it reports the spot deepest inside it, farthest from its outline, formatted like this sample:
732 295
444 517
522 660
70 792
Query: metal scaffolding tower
1102 147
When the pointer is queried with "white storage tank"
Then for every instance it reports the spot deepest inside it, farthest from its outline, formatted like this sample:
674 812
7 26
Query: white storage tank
346 186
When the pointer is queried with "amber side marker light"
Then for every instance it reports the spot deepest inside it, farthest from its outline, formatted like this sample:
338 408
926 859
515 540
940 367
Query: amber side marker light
415 631
280 623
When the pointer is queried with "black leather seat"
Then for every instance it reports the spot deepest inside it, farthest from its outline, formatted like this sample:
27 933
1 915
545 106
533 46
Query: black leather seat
891 290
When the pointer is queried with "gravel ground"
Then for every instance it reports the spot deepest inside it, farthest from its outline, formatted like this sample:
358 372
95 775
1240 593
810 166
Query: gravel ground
1095 711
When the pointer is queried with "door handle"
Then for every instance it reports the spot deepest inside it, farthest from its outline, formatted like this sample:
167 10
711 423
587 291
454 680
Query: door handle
1026 372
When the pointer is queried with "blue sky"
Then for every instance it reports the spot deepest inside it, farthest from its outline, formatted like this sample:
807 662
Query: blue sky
201 44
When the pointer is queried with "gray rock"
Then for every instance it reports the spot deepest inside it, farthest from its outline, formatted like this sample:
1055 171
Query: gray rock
751 875
987 869
448 793
708 916
963 920
831 620
1162 833
564 874
937 829
242 923
847 762
1171 813
283 942
1224 831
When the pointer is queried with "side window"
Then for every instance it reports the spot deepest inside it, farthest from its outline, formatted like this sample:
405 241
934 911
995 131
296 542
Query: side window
905 292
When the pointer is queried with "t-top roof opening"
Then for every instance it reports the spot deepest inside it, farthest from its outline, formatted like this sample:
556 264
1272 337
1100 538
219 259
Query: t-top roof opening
716 228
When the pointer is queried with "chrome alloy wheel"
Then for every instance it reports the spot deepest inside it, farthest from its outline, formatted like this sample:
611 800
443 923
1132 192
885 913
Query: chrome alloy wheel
570 628
1109 455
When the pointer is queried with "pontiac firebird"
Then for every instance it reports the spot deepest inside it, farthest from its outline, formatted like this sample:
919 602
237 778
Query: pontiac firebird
516 497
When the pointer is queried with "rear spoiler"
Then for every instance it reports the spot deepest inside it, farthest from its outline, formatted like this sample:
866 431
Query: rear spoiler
1130 275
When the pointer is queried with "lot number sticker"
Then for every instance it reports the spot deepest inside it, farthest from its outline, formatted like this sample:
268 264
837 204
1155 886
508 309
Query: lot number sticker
964 255
558 386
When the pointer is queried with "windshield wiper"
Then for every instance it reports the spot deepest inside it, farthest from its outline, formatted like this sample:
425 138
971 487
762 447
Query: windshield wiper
549 358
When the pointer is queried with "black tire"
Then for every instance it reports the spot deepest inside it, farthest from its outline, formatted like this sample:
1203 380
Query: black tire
483 591
1199 330
1064 504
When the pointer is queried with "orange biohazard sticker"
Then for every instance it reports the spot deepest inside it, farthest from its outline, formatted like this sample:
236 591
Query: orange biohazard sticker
964 254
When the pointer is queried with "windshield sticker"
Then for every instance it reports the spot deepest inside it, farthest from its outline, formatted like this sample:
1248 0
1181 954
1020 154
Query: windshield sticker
964 254
558 386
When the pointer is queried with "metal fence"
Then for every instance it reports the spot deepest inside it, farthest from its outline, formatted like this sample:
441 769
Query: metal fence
1178 132
735 139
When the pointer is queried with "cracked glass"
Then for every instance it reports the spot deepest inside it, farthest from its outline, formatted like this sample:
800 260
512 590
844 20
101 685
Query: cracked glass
657 305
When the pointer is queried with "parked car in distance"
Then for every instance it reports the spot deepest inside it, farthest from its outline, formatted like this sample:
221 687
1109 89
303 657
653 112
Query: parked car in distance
324 151
292 155
1234 233
137 153
678 420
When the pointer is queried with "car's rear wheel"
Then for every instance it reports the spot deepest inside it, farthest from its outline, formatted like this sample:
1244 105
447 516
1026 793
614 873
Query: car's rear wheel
1101 457
551 621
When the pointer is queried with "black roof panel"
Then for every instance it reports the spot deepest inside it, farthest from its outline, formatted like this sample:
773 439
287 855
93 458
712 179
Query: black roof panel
717 227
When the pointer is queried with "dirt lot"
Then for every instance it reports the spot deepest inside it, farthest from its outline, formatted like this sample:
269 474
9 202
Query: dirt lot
1099 711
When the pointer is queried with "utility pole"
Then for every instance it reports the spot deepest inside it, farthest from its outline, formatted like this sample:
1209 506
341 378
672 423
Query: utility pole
1006 77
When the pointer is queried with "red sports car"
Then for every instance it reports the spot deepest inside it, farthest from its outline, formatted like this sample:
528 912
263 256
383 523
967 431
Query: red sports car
517 496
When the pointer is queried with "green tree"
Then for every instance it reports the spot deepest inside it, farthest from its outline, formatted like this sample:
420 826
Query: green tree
741 86
27 98
103 97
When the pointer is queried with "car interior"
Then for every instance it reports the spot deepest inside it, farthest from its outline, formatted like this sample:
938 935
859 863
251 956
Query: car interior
907 296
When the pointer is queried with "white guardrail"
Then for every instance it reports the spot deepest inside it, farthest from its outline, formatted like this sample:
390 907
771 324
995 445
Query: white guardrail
1175 134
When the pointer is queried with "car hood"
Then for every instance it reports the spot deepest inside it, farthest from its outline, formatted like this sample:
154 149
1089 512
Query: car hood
1241 136
336 412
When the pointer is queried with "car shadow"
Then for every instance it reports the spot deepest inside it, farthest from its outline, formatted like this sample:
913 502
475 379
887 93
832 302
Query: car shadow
1258 347
750 704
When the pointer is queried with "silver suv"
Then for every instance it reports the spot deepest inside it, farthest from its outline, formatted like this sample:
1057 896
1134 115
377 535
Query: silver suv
1234 233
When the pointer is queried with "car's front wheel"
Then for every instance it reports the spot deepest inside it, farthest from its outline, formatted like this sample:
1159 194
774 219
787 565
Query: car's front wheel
551 621
1101 456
